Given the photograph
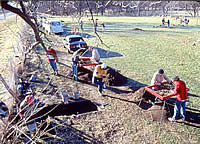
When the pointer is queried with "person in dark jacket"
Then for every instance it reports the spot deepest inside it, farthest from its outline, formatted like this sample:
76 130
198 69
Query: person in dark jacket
181 97
75 60
168 23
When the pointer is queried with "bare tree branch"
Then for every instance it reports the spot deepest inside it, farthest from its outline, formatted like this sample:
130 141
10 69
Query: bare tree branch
8 88
22 6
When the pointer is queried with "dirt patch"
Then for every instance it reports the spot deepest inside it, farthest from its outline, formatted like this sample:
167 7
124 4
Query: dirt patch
114 78
157 114
137 95
137 29
164 90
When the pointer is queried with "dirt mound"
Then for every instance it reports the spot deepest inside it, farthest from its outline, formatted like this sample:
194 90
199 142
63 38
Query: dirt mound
141 93
114 78
137 95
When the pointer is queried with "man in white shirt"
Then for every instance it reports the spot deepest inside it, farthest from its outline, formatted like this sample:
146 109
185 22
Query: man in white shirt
158 78
95 54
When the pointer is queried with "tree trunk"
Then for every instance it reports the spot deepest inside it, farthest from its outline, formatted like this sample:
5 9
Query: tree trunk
138 11
102 9
163 10
195 12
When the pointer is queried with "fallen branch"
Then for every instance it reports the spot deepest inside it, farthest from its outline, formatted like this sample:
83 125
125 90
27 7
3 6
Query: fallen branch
47 85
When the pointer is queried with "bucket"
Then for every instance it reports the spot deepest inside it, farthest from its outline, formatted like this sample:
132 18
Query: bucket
76 95
64 95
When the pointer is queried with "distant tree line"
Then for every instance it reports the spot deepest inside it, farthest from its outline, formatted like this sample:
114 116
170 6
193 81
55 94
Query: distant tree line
118 8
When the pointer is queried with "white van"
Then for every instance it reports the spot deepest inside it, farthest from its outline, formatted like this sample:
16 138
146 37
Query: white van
53 26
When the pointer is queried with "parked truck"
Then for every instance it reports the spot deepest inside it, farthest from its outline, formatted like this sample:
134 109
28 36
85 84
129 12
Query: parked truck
52 26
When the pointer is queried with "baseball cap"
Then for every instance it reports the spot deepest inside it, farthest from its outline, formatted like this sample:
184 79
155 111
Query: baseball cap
175 78
161 71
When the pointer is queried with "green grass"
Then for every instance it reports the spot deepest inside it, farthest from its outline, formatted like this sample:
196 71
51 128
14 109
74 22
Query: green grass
146 51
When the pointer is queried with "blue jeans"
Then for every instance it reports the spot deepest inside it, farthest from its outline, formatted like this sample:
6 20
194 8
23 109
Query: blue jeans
179 107
99 83
53 65
74 71
98 60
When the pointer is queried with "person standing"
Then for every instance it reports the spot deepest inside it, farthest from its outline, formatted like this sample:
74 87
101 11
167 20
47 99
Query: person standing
95 54
75 59
81 24
52 57
99 74
163 21
95 25
168 23
103 26
181 98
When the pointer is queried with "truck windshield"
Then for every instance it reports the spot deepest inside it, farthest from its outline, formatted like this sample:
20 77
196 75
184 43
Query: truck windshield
55 23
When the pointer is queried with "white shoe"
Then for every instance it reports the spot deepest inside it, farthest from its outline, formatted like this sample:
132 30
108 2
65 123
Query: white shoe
171 120
100 93
104 86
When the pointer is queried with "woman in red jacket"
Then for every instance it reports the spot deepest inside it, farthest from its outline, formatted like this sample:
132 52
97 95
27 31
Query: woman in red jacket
181 97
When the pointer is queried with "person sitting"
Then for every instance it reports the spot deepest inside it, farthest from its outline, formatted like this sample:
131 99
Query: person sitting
22 87
158 78
28 111
3 110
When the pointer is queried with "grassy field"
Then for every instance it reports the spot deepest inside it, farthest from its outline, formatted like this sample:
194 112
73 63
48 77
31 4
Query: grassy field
148 50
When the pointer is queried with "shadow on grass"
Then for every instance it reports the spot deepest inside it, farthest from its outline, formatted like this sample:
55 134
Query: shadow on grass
64 130
104 53
192 115
193 95
68 31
